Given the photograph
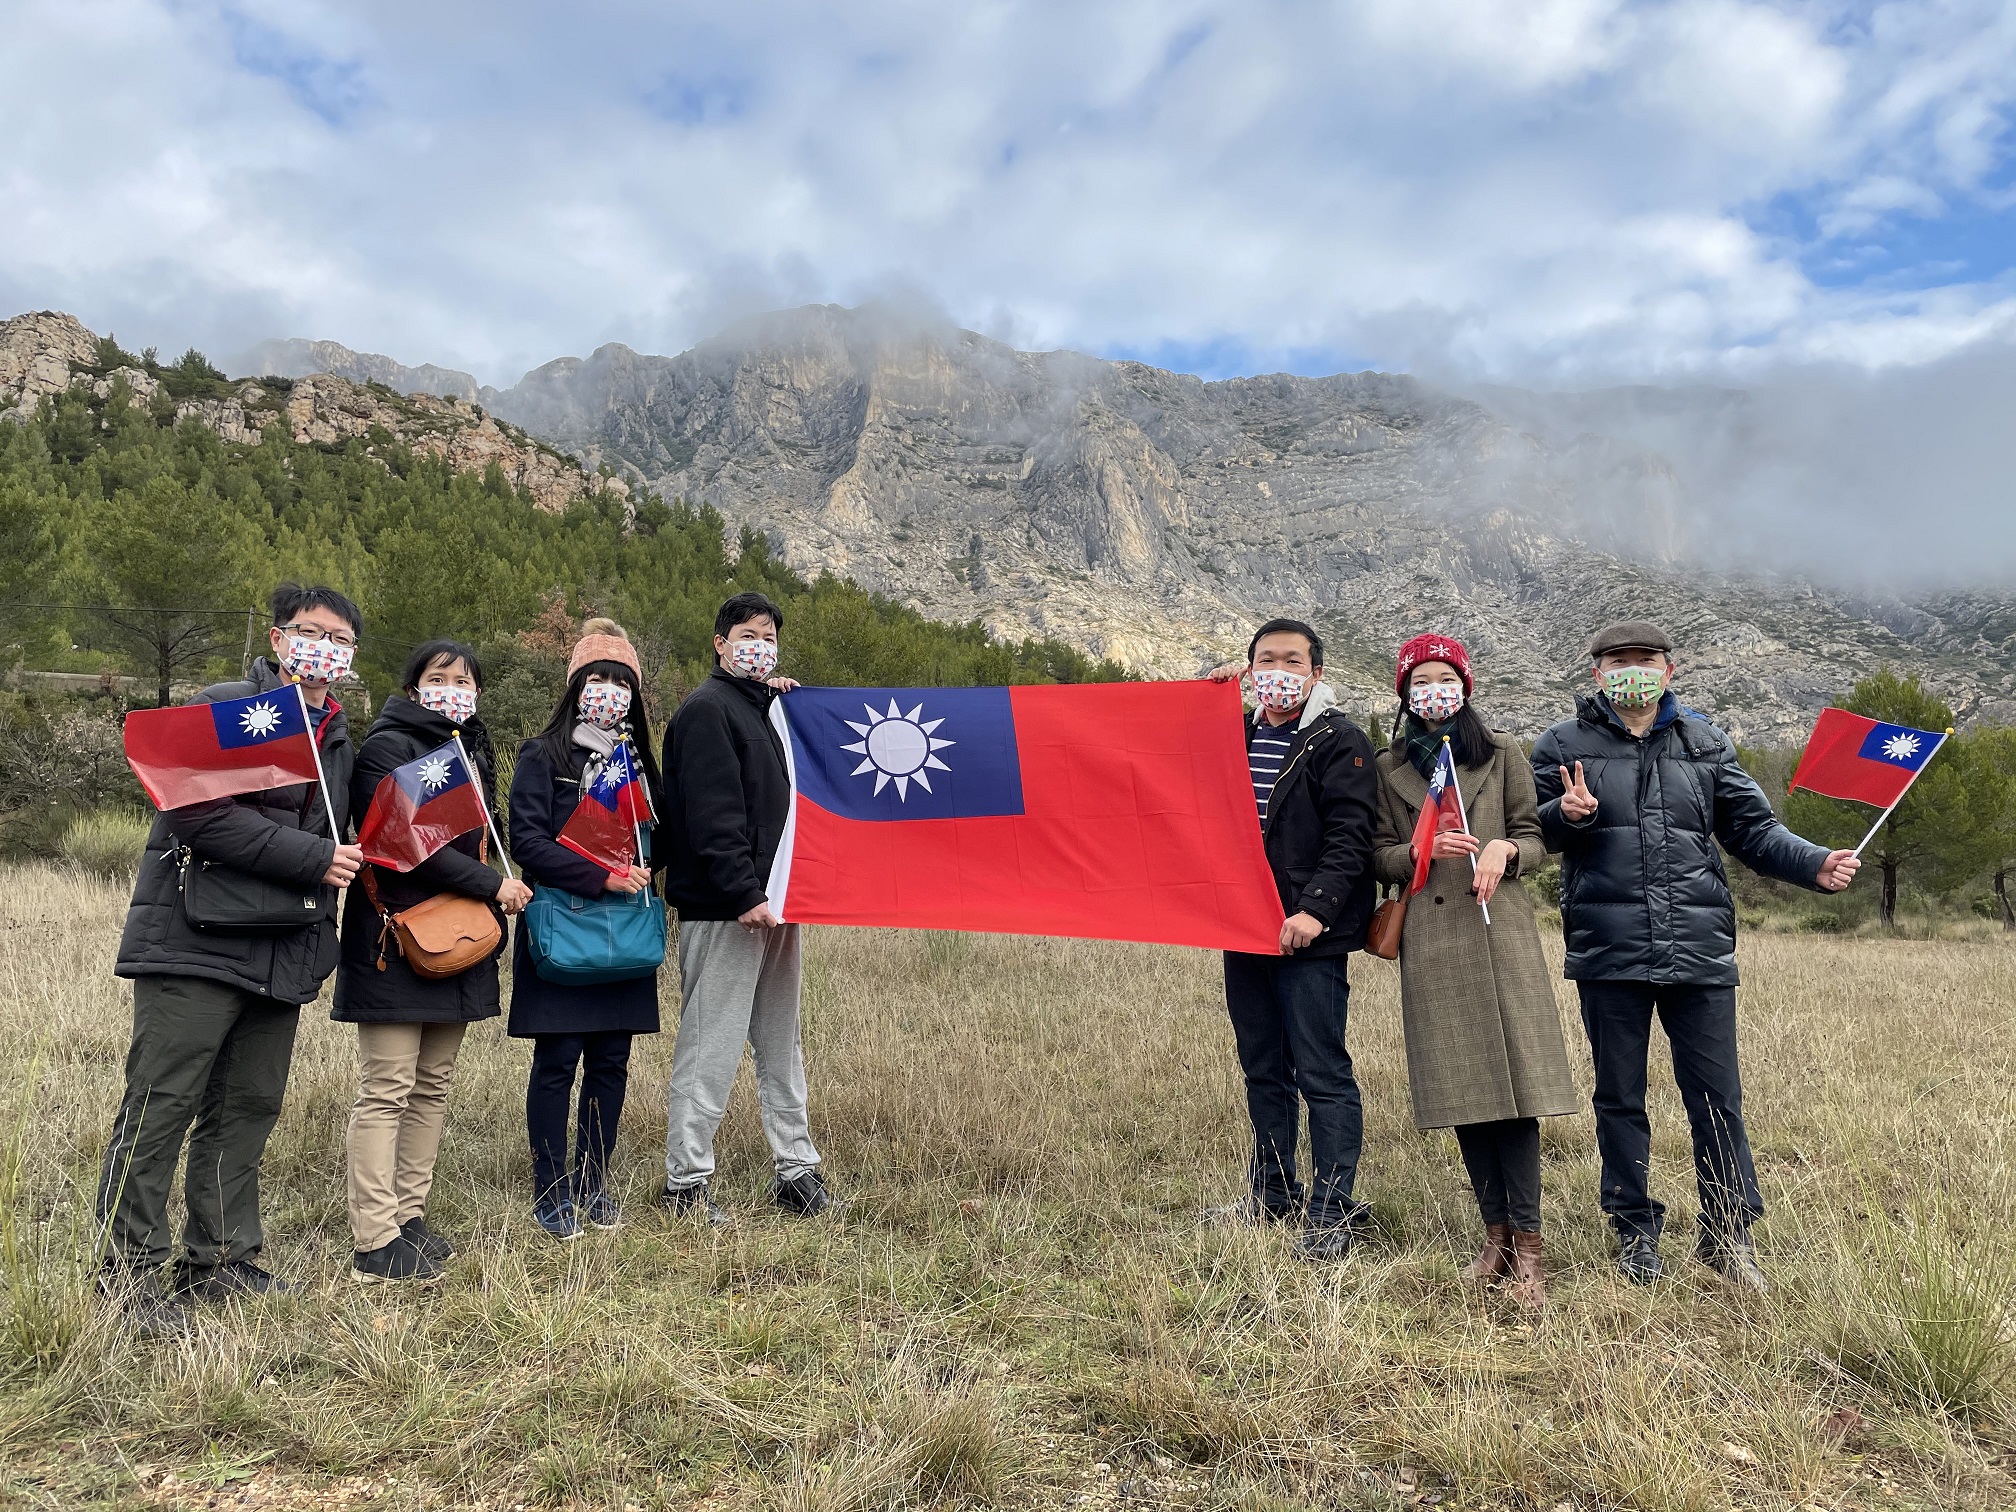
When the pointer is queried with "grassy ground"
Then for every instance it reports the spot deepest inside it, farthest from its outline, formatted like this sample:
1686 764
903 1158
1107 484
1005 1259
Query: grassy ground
1021 1307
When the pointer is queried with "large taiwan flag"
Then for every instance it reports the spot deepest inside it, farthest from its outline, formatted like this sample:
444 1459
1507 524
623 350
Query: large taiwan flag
1109 811
192 753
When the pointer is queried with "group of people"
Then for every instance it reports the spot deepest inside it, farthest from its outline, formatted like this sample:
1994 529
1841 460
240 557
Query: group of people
215 1009
1633 793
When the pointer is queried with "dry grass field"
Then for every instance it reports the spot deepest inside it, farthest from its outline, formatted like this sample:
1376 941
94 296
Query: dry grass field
1020 1307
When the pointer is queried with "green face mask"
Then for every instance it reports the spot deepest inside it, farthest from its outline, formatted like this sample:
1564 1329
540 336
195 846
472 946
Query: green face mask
1634 687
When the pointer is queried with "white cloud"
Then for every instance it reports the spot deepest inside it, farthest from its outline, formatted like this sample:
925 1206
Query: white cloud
1575 189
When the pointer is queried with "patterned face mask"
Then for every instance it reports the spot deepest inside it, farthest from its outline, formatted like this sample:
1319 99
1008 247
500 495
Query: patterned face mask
603 705
752 658
1279 691
455 705
316 661
1634 687
1435 702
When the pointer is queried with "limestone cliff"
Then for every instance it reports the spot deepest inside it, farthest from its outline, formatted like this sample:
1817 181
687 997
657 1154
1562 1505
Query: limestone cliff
1154 517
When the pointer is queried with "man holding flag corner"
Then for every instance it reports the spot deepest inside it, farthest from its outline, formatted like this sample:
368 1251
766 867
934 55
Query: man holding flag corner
727 796
216 1005
1635 792
1316 792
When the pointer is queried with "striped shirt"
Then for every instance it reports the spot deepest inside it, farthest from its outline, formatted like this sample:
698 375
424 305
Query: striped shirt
1267 748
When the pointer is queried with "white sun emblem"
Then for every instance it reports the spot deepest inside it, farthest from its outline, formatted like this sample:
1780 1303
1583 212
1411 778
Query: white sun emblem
1901 747
261 720
897 747
434 772
607 779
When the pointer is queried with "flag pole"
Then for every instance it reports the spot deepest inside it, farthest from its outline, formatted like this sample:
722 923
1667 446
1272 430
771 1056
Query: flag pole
1880 818
636 831
488 818
315 749
1463 819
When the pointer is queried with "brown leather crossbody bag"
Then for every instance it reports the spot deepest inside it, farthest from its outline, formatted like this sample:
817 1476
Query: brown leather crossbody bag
439 937
1382 938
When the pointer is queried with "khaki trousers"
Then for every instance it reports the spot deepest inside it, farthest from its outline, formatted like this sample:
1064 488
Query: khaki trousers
395 1129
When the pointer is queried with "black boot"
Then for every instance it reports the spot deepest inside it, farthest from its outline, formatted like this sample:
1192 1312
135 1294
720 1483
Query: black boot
1638 1258
145 1301
1731 1254
804 1195
688 1200
434 1246
401 1260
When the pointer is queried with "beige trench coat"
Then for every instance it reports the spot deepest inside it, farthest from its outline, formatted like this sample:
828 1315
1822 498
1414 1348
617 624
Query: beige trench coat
1477 1004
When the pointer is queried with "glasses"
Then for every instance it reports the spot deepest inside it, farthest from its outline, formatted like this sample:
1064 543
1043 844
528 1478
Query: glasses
317 633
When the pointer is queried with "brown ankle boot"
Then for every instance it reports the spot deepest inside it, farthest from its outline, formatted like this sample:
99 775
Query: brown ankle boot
1494 1261
1529 1282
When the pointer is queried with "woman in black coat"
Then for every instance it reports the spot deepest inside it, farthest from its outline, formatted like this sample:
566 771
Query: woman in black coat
584 1027
409 1027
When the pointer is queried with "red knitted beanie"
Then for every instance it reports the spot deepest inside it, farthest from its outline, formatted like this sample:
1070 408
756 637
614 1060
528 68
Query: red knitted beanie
1426 648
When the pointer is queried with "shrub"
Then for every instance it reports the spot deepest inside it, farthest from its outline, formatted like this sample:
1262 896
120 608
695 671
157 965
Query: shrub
1922 1313
107 843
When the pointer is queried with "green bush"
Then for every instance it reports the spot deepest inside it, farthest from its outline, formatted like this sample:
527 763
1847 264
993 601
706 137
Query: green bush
107 843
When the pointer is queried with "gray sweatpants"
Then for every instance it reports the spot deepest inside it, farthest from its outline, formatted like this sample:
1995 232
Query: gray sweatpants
736 985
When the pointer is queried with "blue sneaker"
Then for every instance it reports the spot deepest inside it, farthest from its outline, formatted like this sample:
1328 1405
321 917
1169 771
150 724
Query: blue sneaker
556 1215
602 1210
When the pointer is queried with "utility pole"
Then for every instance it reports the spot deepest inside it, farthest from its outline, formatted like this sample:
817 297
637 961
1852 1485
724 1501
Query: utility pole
245 662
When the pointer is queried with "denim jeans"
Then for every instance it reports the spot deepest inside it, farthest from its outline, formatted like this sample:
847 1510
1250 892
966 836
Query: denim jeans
1288 1020
1700 1025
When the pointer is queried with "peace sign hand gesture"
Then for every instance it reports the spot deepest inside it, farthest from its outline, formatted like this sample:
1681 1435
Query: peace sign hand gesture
1577 802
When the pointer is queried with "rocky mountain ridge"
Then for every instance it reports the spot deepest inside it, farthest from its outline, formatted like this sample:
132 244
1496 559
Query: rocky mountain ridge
297 358
1154 517
46 353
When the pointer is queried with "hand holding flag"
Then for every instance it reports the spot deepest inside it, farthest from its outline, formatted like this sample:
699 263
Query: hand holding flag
1442 813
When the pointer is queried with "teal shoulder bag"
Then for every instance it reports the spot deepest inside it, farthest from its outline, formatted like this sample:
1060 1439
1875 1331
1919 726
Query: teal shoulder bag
579 941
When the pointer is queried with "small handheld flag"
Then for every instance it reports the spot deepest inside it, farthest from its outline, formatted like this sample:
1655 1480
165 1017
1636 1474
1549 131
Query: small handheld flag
1861 759
1441 810
603 826
1864 760
419 807
193 753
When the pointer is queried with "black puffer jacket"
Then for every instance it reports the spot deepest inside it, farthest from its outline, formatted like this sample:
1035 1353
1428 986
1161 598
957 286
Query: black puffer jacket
403 732
727 794
1318 831
281 834
1644 897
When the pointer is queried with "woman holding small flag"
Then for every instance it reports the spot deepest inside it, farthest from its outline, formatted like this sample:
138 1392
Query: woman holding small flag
425 785
591 764
1458 818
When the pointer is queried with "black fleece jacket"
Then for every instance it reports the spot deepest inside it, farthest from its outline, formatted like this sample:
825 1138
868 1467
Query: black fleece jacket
727 794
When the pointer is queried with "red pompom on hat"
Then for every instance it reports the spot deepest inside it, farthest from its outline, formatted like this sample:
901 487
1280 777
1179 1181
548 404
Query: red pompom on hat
1427 648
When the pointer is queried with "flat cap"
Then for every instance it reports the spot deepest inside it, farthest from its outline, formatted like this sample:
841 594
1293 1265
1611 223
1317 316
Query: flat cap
1629 635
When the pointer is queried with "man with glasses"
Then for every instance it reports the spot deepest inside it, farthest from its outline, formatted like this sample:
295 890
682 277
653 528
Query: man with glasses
215 1010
